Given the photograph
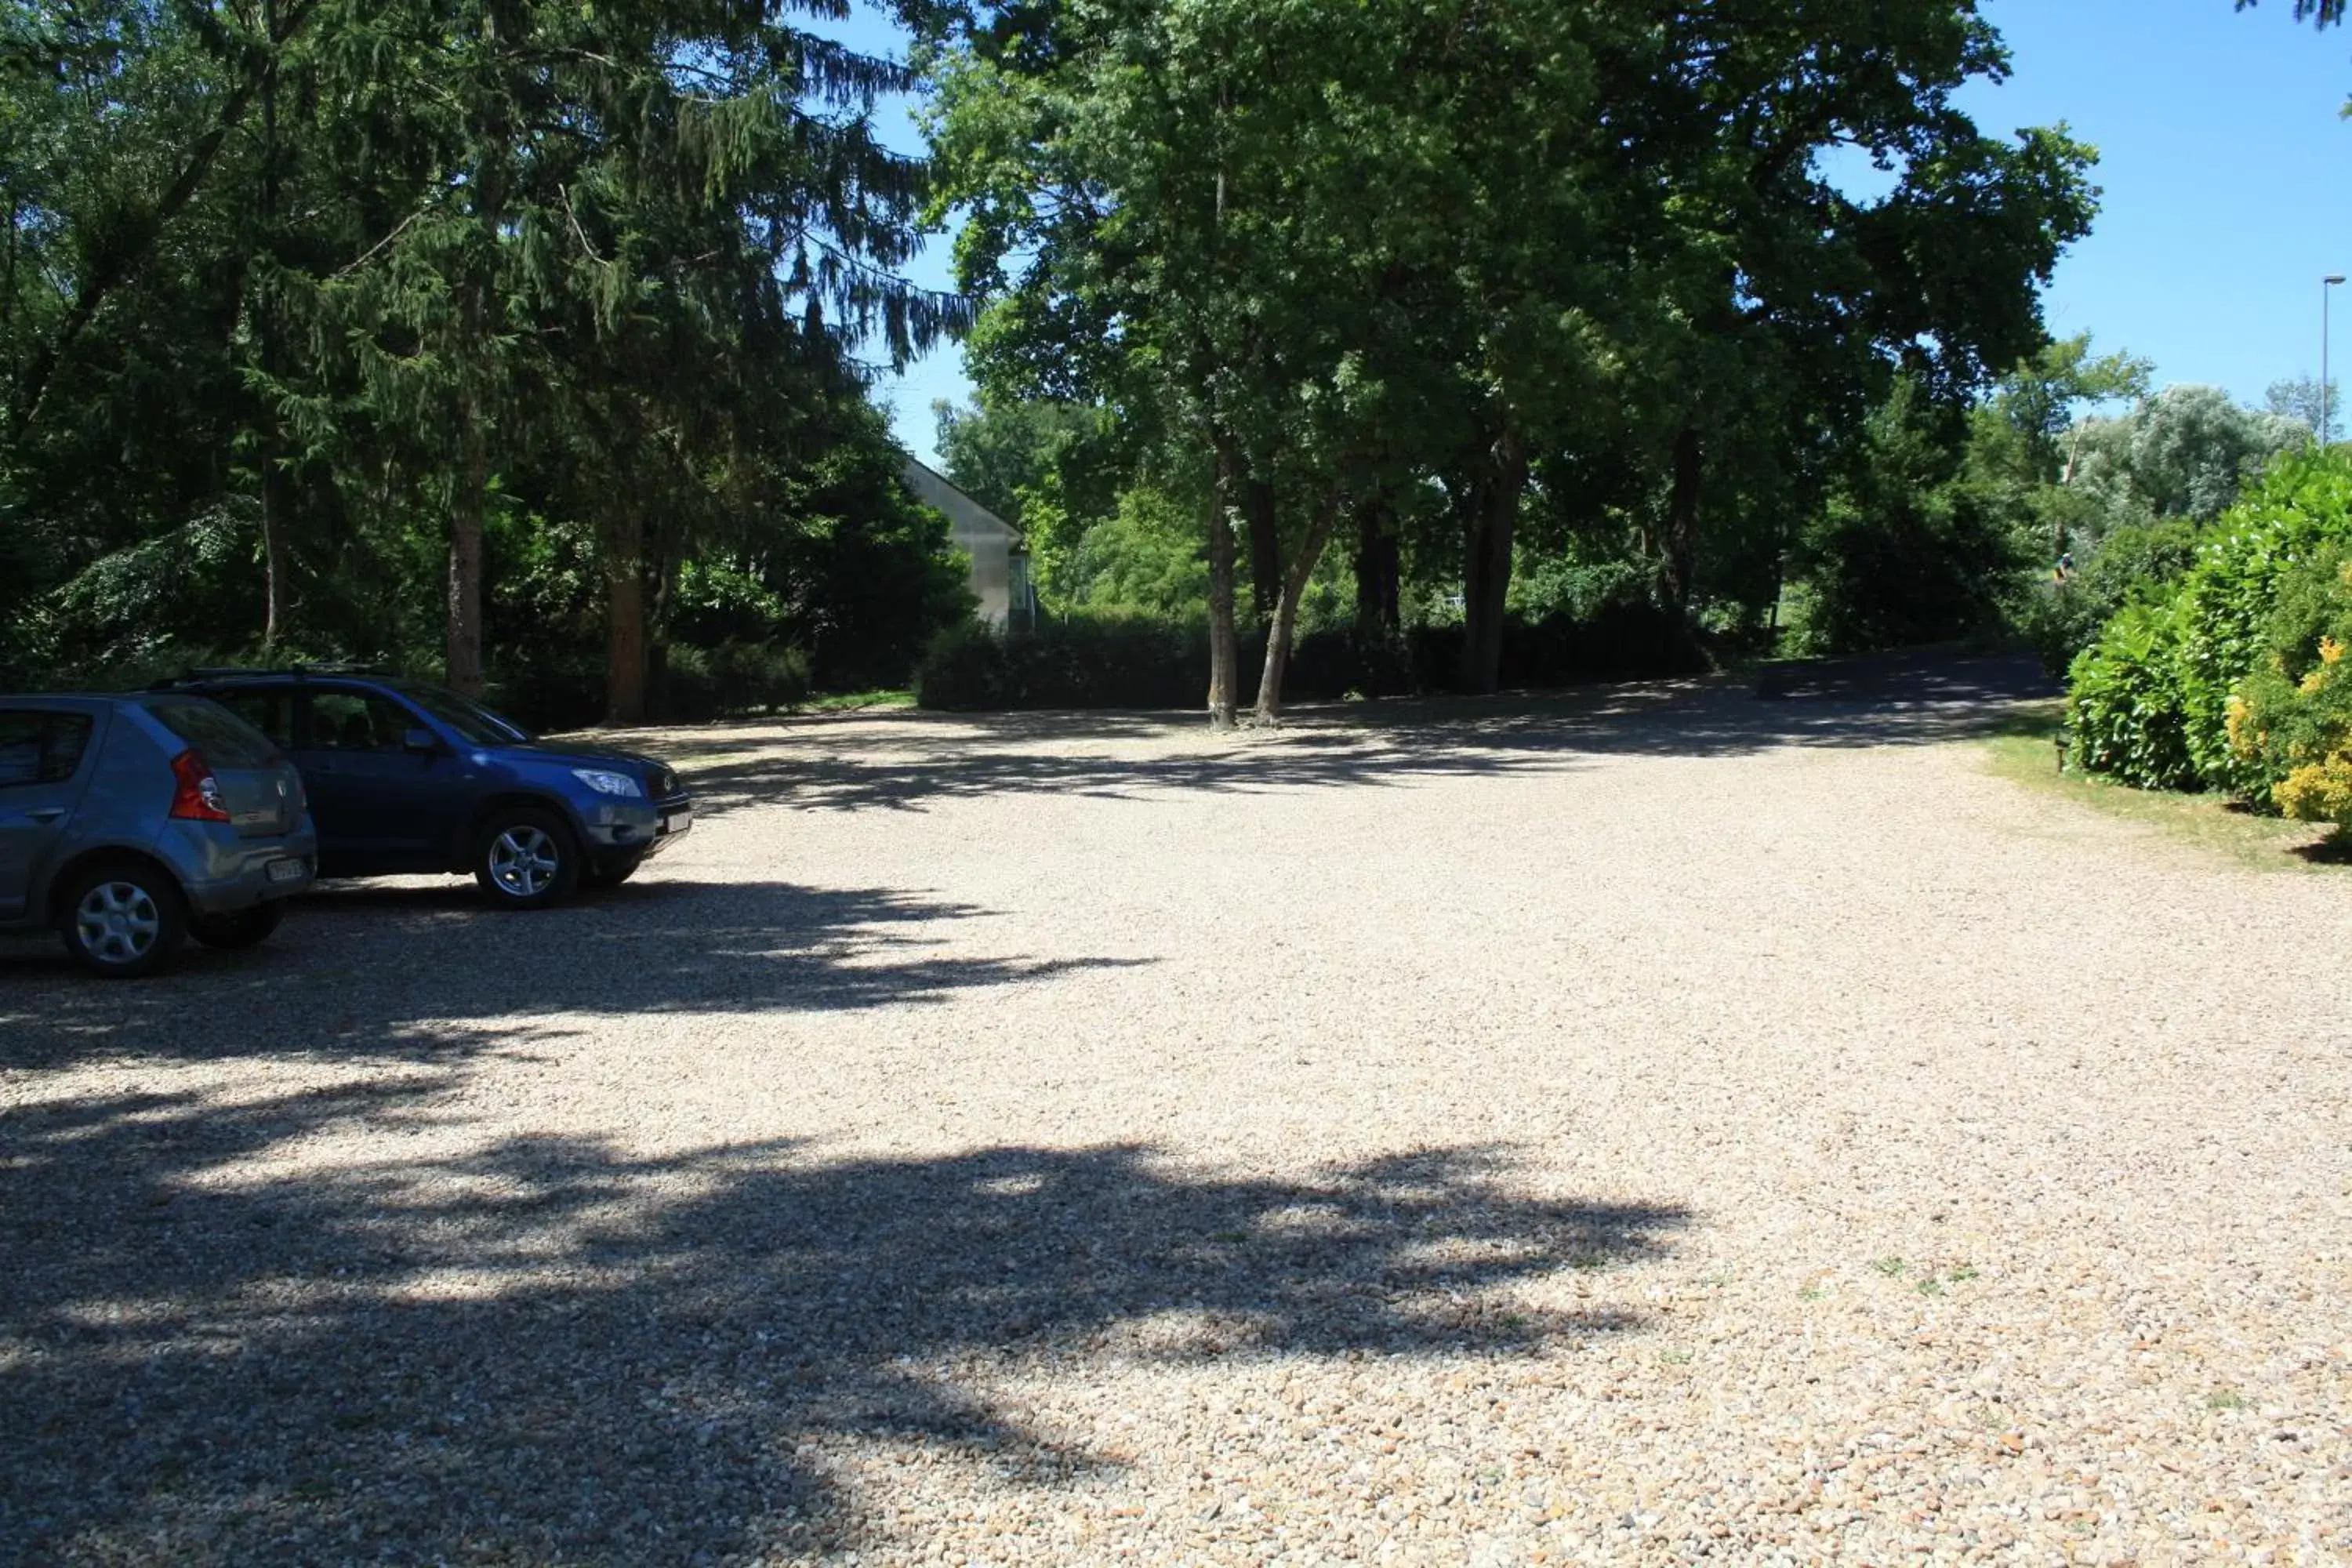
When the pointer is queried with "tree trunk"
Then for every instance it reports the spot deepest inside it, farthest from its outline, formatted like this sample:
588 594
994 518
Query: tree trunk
1486 563
1682 517
1286 614
624 619
278 588
1266 548
473 354
465 555
278 591
1380 596
1224 655
1380 574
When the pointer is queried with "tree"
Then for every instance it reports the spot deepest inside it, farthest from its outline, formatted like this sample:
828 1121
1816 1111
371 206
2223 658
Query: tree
2186 452
2299 399
2320 13
377 281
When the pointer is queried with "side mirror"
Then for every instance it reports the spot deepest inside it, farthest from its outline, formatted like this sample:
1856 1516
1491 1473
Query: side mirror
421 741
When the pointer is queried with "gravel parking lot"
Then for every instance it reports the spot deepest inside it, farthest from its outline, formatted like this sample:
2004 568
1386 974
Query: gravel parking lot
1644 1126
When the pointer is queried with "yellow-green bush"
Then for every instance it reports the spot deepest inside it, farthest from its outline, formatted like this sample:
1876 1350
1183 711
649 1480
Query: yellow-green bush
2203 687
2290 723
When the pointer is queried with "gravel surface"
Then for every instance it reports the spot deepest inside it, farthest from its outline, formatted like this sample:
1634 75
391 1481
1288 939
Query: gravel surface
1653 1126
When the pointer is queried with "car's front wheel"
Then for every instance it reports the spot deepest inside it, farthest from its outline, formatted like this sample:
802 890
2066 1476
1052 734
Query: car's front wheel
123 918
526 859
241 928
609 873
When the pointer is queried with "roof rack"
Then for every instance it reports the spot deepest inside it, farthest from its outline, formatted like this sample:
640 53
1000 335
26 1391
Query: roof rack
229 672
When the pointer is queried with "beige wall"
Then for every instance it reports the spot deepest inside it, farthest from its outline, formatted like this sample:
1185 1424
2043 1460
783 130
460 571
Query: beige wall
979 533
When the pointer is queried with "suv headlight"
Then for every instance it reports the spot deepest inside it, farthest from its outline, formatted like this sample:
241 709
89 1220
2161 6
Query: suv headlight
606 782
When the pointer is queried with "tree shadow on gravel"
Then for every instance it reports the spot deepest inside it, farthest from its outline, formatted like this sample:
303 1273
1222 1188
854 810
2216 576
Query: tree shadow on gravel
401 970
549 1352
910 761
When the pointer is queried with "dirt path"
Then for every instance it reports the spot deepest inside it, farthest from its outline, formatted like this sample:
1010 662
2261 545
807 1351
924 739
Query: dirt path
1635 1128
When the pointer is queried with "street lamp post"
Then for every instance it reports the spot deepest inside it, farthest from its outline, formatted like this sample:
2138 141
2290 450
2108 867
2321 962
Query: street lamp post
2325 285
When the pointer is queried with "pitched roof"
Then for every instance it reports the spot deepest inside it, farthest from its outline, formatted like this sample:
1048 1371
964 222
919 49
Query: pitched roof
964 515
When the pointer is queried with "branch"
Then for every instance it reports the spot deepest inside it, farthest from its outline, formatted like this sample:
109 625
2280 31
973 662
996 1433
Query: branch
124 261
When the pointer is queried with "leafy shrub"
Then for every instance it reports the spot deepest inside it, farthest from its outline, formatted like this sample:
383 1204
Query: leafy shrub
1124 661
2290 724
2136 562
2301 507
2153 697
2125 706
1085 661
698 684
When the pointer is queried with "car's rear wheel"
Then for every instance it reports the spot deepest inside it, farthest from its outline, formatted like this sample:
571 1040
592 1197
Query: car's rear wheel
526 859
123 918
243 928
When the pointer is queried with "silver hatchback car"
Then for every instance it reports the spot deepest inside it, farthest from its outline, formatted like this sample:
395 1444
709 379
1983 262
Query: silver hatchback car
130 823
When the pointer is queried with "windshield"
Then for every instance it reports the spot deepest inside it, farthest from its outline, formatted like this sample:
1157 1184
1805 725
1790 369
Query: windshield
472 721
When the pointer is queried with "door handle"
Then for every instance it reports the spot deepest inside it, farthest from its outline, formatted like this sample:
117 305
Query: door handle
45 812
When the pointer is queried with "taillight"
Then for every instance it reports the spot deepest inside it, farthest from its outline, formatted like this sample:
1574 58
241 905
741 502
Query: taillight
197 794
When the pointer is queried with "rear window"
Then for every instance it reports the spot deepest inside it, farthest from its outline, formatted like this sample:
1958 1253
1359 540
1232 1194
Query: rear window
41 748
226 740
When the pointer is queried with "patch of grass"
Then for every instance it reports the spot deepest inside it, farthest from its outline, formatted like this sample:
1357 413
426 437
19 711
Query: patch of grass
1892 1268
1809 1293
2227 1399
1931 1286
1675 1358
2022 748
1962 1275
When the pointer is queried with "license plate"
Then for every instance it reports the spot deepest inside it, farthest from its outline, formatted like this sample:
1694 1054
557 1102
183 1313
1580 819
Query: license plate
287 871
677 822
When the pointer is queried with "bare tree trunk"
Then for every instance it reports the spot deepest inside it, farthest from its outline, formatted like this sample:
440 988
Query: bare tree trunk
1380 594
1682 517
465 555
276 569
1258 510
1380 574
1285 615
277 590
473 350
1225 655
624 619
1486 562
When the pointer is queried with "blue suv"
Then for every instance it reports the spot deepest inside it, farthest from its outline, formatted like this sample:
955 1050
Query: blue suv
405 778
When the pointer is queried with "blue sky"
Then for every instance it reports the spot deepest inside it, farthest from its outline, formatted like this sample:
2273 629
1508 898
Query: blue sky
2222 156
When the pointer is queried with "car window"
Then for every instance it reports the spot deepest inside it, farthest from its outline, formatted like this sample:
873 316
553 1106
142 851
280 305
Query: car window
269 710
226 740
358 721
41 748
474 723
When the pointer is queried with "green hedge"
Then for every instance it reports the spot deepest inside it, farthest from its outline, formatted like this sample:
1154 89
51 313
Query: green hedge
1097 661
2151 700
2290 724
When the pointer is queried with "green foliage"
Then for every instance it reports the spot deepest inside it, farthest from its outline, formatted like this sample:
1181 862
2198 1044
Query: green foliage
2189 451
2125 706
1906 551
2289 726
1084 662
2301 508
2135 563
703 683
1593 248
2160 699
1116 660
1144 560
300 298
